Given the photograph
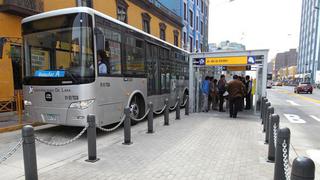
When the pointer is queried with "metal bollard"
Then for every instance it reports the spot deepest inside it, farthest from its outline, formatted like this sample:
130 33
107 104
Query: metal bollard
274 123
92 139
186 108
166 112
150 118
127 127
303 168
263 109
282 153
265 115
29 153
261 106
178 109
270 111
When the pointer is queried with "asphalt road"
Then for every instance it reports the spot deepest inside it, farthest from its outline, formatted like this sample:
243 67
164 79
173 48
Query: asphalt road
301 113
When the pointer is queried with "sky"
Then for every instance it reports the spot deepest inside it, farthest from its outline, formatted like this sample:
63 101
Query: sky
258 24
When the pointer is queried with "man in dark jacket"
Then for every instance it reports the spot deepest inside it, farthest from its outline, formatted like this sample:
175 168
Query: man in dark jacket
248 92
235 89
222 90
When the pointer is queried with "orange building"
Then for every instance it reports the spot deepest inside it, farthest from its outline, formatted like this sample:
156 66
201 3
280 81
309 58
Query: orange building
149 16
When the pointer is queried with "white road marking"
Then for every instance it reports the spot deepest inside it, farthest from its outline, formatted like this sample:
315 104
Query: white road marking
292 103
294 118
315 118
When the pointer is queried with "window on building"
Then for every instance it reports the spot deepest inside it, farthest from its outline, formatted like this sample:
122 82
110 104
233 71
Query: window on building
197 23
146 22
197 45
122 8
191 43
163 28
185 11
201 47
176 37
202 4
205 10
184 38
15 55
85 3
191 18
197 2
201 28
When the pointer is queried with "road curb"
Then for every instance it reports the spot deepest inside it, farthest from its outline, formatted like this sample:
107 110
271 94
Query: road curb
18 126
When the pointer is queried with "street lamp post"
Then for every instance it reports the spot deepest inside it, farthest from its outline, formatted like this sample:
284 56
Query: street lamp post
304 72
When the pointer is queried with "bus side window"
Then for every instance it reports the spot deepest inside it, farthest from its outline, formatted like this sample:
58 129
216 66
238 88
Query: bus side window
108 51
135 60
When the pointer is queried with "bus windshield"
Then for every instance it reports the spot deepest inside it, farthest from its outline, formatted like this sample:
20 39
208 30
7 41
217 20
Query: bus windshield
59 50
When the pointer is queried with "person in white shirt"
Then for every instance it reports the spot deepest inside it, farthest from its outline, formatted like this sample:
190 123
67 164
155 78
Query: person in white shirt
102 65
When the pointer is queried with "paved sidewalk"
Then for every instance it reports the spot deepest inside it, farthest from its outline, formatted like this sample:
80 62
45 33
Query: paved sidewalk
200 146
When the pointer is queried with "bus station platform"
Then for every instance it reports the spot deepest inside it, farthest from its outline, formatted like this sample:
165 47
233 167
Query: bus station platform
200 146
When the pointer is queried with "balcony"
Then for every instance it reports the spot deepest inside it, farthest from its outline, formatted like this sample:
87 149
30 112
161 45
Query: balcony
21 8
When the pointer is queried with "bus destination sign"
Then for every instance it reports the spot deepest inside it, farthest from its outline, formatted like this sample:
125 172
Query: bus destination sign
234 60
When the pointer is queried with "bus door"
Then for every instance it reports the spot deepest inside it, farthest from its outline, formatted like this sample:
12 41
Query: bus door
152 60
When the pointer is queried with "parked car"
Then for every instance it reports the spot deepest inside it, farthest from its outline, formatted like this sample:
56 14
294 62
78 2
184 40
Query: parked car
278 83
269 84
303 87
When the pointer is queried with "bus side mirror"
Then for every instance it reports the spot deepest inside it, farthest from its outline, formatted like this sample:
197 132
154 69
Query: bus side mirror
99 39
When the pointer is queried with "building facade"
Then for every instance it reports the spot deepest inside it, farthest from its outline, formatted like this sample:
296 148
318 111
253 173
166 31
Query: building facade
148 16
285 62
195 15
11 14
308 58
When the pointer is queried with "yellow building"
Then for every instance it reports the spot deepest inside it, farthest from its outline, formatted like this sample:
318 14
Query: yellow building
11 14
142 14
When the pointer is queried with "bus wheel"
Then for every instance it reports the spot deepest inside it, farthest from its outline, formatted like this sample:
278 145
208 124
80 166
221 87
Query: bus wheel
136 108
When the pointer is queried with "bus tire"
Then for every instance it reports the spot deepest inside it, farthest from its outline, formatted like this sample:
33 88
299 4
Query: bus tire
137 107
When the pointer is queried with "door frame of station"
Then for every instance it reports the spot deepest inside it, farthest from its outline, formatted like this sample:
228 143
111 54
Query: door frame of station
194 70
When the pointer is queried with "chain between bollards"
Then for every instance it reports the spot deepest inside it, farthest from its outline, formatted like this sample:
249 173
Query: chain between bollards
166 112
186 108
270 111
127 127
273 128
29 153
178 109
92 139
150 118
281 166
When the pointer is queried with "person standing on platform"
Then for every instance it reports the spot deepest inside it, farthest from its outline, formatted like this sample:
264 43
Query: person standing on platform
222 90
205 93
215 95
210 97
248 85
236 92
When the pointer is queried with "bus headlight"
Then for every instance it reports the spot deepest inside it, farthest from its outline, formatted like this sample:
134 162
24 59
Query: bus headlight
81 104
27 103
